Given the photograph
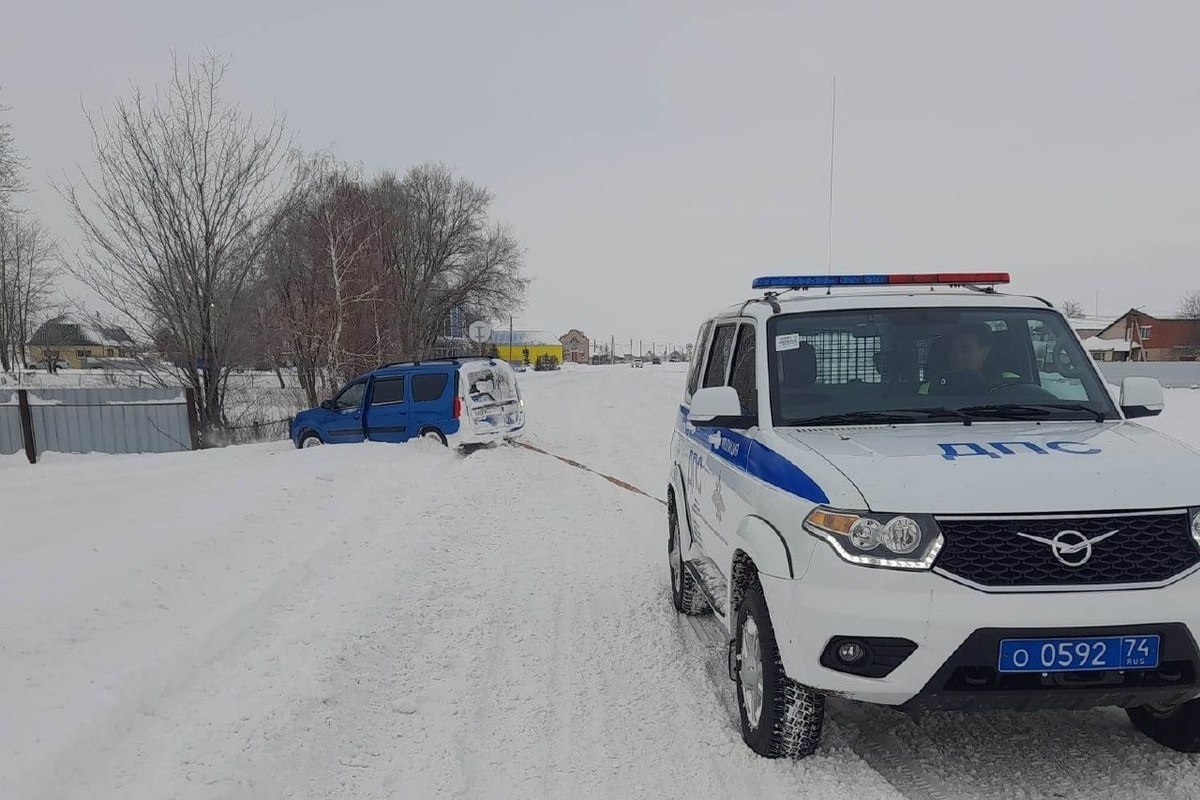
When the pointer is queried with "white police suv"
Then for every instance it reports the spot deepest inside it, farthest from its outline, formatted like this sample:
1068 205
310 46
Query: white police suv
915 491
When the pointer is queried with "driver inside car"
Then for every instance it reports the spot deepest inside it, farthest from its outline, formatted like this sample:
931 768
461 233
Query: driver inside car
965 353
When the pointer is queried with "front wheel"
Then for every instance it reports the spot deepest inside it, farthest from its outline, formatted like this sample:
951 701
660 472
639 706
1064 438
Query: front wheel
780 718
310 440
685 593
1176 727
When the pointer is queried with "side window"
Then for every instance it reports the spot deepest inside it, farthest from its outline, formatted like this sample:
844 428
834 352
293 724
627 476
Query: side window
742 374
351 396
1057 371
429 386
718 355
388 391
697 359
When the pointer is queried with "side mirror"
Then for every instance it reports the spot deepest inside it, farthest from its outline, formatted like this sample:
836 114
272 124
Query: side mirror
718 407
1141 397
327 405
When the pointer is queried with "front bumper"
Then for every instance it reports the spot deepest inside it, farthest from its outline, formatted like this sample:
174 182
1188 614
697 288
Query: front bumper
956 629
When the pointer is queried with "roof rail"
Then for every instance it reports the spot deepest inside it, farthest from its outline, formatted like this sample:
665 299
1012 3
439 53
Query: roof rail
450 359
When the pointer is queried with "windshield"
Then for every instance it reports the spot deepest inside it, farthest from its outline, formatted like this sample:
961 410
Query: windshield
919 365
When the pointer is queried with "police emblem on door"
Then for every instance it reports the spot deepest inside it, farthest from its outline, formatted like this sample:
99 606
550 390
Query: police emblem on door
719 501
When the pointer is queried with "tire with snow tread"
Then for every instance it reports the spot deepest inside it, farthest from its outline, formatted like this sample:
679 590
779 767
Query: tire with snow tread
685 594
1178 729
791 716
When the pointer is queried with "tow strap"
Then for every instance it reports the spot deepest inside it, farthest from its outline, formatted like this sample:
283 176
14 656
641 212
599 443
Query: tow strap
629 487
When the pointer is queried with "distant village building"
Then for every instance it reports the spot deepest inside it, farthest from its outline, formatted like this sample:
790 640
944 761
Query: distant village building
576 347
526 346
1138 336
79 344
1089 326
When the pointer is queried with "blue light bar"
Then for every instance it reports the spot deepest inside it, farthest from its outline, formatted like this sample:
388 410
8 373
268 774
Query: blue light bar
880 279
806 281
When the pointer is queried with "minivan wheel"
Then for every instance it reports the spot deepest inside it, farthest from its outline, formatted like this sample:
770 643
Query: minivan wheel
685 594
433 434
1176 727
780 718
310 440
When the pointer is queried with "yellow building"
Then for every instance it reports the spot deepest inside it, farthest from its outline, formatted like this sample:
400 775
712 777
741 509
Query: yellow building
526 346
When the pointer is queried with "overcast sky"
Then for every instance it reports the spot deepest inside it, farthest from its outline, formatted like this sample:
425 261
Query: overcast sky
654 157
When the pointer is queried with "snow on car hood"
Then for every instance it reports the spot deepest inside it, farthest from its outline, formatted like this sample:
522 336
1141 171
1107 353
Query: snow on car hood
1008 467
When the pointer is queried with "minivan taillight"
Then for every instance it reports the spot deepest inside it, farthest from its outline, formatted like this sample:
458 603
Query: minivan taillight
457 406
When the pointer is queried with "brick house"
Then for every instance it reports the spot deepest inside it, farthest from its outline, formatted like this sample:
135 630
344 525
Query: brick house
1153 338
577 348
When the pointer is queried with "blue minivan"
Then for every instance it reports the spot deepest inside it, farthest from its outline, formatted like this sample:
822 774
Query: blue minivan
454 401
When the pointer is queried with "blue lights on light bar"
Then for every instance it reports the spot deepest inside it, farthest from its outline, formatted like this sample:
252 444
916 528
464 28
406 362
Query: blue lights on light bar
880 279
803 281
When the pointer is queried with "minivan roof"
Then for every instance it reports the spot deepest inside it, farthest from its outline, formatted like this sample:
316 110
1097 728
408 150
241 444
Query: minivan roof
448 361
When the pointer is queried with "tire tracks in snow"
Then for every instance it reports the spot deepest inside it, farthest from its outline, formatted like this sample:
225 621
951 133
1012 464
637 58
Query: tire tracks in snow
872 733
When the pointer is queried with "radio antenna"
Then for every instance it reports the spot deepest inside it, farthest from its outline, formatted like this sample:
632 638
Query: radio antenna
832 139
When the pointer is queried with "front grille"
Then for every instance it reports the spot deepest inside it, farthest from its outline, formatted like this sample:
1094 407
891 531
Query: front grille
1147 548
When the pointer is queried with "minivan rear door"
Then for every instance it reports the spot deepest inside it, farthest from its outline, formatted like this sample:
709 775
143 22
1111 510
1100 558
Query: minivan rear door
431 402
387 410
493 400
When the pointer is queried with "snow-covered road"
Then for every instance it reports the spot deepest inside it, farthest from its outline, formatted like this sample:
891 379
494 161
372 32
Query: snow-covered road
400 622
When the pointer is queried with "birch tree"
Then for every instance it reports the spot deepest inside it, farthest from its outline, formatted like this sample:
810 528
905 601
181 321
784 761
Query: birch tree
27 274
322 273
174 217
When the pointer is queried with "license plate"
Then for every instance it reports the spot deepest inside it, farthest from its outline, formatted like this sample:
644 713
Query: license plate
1078 654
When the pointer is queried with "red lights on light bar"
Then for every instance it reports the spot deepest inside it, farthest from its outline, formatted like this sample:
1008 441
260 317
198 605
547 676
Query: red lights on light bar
881 279
950 278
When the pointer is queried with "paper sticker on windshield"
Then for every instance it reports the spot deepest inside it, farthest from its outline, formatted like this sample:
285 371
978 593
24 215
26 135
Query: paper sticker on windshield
787 341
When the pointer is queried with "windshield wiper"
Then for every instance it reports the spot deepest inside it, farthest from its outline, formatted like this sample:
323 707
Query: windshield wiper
887 417
1029 410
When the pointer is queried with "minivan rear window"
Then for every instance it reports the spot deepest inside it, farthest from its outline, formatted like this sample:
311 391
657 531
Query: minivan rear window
487 385
428 386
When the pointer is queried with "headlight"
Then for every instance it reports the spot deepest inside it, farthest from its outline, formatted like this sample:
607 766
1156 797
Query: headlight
1196 526
910 541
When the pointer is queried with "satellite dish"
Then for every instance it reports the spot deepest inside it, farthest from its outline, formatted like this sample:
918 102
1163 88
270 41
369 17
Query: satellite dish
479 332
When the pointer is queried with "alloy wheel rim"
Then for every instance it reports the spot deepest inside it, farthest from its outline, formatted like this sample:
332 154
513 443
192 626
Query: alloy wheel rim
750 672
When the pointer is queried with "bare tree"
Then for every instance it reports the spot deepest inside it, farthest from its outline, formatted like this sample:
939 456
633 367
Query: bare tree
27 273
322 275
1189 307
1072 309
174 219
12 165
440 251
